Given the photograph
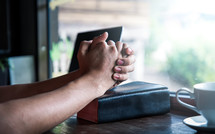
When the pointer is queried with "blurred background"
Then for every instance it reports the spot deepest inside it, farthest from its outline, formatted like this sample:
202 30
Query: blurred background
173 40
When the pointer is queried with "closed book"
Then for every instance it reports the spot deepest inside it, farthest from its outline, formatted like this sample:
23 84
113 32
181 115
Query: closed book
127 101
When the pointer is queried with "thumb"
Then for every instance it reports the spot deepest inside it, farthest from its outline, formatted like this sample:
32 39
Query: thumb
102 38
84 47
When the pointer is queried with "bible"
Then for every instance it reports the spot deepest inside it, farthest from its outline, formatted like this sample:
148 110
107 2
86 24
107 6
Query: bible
127 101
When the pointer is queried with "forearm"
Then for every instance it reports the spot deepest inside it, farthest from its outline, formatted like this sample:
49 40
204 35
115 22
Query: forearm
39 113
27 90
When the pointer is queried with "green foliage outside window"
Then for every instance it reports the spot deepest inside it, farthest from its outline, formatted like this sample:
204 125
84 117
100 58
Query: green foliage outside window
191 65
55 52
61 47
191 59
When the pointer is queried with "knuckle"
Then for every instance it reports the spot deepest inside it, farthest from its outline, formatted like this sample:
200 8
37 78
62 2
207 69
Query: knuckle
119 43
113 49
111 42
124 69
127 69
130 60
119 46
127 61
123 77
101 45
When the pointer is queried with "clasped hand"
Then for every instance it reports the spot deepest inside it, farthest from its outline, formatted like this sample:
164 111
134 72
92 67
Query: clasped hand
108 62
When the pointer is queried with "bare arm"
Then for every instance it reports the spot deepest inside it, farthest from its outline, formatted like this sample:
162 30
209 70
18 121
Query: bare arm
41 112
67 94
27 90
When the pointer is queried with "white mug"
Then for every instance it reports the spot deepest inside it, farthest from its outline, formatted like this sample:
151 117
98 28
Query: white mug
204 95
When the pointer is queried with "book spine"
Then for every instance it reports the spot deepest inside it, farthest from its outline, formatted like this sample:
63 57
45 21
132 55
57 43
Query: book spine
133 105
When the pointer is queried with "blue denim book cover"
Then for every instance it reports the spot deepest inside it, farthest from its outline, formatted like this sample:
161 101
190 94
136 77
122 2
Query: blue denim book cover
127 101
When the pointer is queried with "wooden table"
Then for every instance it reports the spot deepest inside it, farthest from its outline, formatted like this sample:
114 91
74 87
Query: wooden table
170 123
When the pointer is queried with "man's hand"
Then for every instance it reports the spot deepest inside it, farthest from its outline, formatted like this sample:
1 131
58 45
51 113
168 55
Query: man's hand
99 55
98 59
124 63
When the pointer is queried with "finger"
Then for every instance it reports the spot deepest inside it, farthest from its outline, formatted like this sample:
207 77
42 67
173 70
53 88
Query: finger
112 48
110 42
84 46
125 46
124 69
120 77
102 38
100 45
119 46
129 51
126 61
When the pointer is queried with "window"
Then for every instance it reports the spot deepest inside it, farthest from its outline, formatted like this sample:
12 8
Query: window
173 40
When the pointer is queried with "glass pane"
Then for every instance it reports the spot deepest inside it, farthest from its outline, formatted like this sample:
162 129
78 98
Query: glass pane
172 39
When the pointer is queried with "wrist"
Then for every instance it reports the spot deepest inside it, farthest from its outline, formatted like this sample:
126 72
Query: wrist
101 80
96 82
90 86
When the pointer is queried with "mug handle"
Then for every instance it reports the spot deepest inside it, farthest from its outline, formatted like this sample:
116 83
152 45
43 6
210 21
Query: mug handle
185 104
